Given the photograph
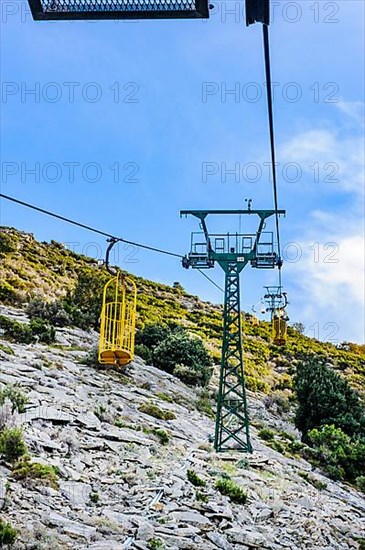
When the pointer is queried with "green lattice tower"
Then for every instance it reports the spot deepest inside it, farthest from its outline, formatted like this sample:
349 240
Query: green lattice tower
232 420
233 252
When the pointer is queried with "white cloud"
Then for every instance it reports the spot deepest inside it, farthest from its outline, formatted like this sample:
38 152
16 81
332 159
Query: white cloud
353 109
323 147
329 278
328 281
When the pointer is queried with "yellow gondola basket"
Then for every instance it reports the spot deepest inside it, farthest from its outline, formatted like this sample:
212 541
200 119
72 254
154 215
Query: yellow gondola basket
279 330
117 322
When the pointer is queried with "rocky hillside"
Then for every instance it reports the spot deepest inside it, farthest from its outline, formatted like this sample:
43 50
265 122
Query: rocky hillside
130 464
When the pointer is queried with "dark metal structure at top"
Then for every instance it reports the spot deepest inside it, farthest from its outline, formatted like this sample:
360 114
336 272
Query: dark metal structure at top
257 11
118 9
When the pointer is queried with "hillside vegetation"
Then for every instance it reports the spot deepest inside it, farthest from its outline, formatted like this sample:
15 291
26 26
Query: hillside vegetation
49 271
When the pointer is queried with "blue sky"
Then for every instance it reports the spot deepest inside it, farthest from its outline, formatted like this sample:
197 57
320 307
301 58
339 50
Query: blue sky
129 122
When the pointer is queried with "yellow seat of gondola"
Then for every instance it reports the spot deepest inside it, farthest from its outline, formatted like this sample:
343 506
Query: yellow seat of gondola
116 357
117 322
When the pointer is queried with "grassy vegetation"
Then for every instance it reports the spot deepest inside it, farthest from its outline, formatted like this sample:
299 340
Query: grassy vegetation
8 534
6 349
165 397
36 330
94 497
195 479
154 410
231 489
317 483
17 398
155 544
12 445
201 497
162 436
282 442
25 469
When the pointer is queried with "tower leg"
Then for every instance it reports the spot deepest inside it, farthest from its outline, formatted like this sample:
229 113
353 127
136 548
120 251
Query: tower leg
232 420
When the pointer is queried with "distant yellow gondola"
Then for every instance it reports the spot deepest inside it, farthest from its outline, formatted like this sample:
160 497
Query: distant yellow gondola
279 330
118 320
276 304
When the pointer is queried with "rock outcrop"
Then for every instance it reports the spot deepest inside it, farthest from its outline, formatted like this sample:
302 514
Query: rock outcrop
121 485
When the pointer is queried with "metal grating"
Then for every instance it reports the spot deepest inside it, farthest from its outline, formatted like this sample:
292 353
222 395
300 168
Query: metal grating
118 9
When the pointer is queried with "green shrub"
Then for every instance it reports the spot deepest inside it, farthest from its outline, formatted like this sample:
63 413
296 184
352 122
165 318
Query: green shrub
201 497
53 312
82 318
16 396
19 332
178 286
280 400
256 384
12 445
94 497
154 410
42 330
325 398
232 490
8 534
152 335
295 447
25 469
258 375
155 544
317 483
101 412
360 483
8 294
341 456
195 479
266 434
92 358
185 357
162 435
299 327
284 382
278 446
144 352
122 423
7 243
27 334
6 349
165 397
83 304
192 376
281 442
